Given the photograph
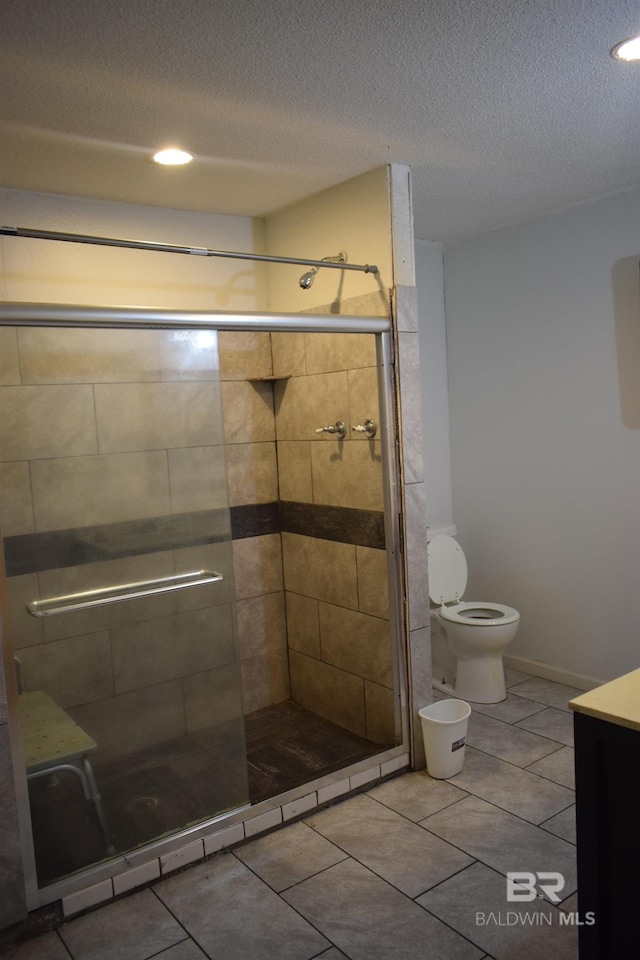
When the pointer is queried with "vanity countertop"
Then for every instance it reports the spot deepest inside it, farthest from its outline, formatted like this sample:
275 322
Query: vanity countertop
616 702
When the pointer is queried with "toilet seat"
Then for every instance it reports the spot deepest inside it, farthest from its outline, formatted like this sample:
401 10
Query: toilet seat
447 582
447 570
479 614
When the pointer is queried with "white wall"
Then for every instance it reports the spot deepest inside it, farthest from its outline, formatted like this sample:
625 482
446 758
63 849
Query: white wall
435 387
49 271
353 216
546 473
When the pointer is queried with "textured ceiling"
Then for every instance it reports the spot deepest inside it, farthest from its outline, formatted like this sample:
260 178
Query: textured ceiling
505 109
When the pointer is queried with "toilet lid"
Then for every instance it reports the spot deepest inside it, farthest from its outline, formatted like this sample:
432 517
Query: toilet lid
447 570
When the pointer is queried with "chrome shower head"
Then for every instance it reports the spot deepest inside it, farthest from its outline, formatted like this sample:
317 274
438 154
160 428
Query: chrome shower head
307 278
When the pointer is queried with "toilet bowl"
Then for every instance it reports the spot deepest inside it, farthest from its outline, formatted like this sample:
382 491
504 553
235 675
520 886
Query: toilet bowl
476 632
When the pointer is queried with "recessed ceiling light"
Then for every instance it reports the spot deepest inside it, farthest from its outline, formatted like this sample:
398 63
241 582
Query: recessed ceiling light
172 157
627 49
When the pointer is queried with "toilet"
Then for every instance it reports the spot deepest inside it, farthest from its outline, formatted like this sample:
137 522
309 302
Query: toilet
473 634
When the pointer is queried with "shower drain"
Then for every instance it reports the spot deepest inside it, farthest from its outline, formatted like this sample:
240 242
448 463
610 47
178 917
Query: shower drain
142 804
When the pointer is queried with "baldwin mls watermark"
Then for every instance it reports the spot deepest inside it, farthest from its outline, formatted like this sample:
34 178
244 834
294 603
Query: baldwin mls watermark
525 887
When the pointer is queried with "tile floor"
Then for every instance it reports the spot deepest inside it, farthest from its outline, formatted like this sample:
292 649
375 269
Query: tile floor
412 869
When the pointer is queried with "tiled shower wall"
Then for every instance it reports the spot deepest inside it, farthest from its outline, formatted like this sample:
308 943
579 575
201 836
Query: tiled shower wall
249 425
331 494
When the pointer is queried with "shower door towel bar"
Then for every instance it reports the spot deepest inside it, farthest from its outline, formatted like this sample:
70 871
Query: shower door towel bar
120 592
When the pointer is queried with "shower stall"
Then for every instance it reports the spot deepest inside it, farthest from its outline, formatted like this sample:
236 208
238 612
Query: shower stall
200 542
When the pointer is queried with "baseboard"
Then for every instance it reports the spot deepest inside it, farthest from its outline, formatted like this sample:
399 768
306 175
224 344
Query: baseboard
549 672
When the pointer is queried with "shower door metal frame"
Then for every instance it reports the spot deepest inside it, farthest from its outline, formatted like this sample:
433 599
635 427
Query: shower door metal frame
18 314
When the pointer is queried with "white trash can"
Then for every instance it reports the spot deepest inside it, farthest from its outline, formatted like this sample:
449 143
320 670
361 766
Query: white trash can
444 731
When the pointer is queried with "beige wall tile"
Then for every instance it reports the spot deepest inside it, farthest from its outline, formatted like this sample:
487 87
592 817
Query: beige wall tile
125 724
39 422
373 581
72 671
244 355
294 470
288 354
248 412
252 473
363 400
24 630
326 352
9 364
257 564
82 491
303 624
212 698
356 642
323 569
265 680
217 557
331 693
303 404
348 474
262 626
190 355
89 356
150 416
16 511
149 653
92 576
197 477
379 714
375 303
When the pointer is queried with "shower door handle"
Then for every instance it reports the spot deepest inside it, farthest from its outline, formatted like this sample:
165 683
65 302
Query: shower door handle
121 591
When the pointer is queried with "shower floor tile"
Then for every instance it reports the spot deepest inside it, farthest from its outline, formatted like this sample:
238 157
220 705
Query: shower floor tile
175 784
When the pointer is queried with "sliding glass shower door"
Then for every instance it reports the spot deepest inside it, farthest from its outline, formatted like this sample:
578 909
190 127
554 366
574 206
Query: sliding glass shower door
116 533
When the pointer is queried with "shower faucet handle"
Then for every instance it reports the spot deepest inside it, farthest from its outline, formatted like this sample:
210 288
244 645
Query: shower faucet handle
367 426
338 428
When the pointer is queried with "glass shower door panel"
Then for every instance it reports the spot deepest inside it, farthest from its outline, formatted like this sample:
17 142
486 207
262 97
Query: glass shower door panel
117 541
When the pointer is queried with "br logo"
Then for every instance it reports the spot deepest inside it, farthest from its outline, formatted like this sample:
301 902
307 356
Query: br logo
525 886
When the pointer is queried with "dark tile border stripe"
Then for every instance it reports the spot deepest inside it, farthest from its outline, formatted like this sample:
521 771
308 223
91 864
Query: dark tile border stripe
33 552
365 528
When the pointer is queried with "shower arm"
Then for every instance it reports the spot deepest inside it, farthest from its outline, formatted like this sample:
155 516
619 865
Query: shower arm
173 248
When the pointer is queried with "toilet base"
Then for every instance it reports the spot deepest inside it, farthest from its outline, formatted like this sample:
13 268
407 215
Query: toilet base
481 680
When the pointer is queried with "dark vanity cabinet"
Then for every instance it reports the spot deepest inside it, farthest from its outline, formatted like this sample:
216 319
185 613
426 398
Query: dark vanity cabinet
607 757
